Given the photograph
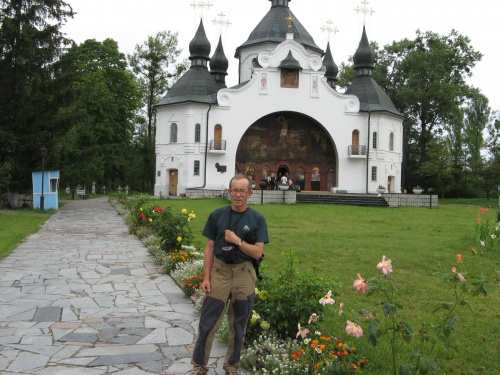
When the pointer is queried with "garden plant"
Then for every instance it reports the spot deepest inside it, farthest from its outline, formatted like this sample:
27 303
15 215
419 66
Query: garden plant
434 289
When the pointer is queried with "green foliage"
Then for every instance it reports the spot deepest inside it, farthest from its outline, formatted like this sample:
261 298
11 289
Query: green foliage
4 176
288 299
30 43
101 99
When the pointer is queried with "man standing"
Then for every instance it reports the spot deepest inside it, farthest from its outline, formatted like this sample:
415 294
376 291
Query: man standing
236 235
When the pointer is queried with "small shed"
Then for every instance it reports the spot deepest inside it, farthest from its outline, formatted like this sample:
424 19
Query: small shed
50 182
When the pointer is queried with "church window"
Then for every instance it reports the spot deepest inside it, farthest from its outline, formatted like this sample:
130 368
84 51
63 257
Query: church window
374 143
173 133
197 132
374 173
391 141
196 168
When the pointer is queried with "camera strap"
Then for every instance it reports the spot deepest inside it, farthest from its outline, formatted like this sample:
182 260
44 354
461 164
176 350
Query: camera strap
235 226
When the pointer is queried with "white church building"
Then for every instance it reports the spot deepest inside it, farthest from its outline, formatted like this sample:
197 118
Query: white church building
284 117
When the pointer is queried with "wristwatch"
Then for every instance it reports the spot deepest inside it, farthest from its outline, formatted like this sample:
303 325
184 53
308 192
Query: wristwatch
240 243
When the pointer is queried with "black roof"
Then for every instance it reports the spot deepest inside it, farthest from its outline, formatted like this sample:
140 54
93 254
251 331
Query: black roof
371 96
273 29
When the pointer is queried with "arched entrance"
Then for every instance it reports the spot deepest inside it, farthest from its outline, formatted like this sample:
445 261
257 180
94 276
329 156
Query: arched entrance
290 142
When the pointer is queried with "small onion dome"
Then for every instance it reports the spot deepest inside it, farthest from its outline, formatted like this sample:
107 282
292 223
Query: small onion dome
364 56
332 69
218 61
290 62
199 46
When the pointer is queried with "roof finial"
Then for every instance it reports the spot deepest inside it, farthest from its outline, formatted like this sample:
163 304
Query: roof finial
220 23
289 20
201 8
364 10
329 29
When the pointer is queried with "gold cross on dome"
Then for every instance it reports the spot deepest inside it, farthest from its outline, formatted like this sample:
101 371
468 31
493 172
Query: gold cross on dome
289 19
364 10
221 23
329 29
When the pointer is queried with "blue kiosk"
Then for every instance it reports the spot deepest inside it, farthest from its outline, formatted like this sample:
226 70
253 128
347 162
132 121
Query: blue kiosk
50 194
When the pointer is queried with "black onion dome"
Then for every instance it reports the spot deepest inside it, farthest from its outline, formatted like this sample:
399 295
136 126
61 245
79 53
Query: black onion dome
290 62
199 46
218 61
332 70
364 56
274 27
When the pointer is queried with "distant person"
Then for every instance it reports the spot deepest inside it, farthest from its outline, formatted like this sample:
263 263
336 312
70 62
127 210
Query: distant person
284 180
236 235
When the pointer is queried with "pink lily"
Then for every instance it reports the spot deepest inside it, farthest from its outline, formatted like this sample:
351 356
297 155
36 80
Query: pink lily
327 300
313 318
340 310
302 332
460 276
360 284
354 329
385 266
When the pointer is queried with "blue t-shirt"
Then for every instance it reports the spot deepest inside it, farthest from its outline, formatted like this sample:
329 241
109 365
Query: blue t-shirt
241 223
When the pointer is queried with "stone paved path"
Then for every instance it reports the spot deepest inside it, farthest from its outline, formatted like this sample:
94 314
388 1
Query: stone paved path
82 296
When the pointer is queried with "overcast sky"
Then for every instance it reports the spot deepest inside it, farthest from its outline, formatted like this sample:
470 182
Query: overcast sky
130 22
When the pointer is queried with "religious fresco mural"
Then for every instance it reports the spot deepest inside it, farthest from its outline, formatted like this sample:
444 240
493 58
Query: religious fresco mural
286 137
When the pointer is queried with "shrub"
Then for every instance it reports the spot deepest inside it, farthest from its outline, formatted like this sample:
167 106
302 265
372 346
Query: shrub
284 301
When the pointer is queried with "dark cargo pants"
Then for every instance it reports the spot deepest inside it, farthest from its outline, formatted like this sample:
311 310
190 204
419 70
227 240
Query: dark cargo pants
234 282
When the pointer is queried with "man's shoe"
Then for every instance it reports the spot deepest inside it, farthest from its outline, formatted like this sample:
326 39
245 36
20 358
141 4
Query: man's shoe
198 371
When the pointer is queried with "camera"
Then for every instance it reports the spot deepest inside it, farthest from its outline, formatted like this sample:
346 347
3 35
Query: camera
228 254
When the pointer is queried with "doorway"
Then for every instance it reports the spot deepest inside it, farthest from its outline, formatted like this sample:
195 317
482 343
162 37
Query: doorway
172 182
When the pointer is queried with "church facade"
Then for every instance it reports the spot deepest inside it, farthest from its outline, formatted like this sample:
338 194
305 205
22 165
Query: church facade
284 117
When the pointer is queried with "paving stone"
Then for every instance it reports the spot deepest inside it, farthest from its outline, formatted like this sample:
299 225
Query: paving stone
26 362
120 271
48 314
126 358
79 337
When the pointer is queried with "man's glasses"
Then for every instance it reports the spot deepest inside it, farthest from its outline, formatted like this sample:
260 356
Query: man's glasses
236 191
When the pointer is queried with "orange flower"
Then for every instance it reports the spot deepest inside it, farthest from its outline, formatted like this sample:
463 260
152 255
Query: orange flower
459 258
473 250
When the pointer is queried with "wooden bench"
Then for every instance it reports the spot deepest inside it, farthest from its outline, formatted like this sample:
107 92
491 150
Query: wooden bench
82 194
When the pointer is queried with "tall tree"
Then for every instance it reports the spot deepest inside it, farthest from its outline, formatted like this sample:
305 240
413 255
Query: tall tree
493 139
476 118
30 43
151 61
426 78
102 100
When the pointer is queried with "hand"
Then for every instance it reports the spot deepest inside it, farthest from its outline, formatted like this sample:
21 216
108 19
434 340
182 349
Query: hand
231 237
205 286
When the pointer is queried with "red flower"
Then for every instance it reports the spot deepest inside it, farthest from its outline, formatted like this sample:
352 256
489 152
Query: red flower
473 250
459 258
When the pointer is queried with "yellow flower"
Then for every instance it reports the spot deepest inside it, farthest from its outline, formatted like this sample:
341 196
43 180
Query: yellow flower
263 295
179 239
192 216
184 211
256 291
265 325
150 220
140 209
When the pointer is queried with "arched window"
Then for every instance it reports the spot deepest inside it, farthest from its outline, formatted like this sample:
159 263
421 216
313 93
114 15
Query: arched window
355 142
374 143
173 133
197 132
391 141
196 168
374 173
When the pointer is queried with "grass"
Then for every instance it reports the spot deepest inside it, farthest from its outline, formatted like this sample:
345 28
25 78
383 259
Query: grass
17 225
341 241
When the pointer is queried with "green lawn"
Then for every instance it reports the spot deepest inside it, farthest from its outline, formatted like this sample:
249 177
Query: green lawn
341 241
16 225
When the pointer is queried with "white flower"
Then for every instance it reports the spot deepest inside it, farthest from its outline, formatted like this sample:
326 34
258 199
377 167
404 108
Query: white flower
307 341
482 243
493 236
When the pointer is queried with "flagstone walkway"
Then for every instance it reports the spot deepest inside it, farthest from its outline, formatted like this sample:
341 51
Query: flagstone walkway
83 296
